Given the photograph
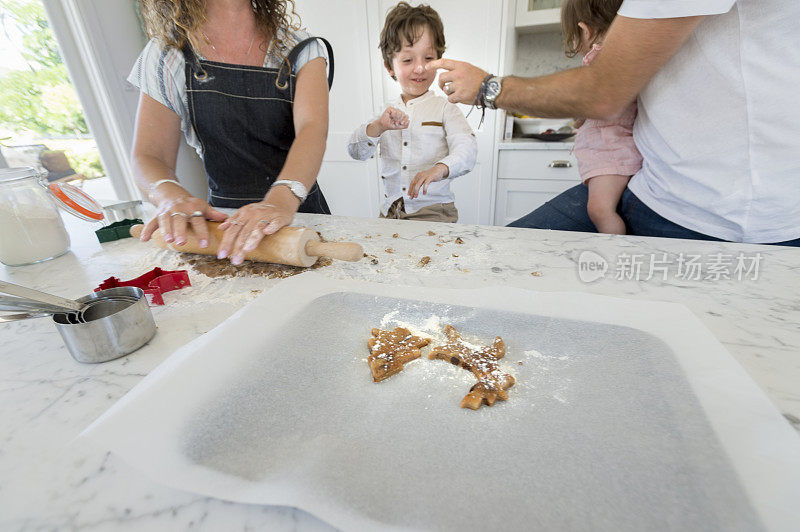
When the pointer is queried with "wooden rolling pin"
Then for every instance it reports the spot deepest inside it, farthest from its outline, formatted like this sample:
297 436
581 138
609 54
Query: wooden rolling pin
295 246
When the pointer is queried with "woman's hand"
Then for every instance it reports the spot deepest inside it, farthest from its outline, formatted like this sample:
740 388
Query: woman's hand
246 227
174 215
426 177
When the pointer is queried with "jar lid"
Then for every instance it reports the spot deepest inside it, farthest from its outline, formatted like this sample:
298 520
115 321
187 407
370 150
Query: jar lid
76 202
68 197
15 174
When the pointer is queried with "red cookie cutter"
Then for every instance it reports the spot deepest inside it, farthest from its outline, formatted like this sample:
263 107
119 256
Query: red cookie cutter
154 283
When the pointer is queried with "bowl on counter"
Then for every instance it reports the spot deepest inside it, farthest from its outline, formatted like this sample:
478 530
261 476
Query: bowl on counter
536 126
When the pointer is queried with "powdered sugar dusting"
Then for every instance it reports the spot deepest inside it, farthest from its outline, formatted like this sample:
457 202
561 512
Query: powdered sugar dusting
431 328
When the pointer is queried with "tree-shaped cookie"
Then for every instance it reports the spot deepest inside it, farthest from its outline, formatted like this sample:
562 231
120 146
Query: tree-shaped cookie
482 362
389 350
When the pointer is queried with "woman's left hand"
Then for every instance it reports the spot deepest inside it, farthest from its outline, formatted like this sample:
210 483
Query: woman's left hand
245 228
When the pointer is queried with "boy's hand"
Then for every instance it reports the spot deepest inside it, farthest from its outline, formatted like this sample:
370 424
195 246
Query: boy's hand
424 178
390 120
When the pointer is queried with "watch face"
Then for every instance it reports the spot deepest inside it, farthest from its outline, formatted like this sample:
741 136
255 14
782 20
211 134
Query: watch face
493 88
298 190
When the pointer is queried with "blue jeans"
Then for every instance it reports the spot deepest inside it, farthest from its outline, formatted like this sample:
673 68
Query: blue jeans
567 212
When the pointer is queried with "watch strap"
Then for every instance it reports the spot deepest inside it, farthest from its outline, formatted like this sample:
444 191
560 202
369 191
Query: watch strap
480 98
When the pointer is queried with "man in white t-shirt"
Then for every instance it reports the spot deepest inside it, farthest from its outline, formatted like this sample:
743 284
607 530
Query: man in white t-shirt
718 125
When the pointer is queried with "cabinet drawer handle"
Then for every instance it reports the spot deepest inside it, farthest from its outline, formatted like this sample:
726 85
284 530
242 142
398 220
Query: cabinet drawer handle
559 164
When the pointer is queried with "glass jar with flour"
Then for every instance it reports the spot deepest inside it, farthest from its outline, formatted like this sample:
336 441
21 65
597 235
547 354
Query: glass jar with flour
31 229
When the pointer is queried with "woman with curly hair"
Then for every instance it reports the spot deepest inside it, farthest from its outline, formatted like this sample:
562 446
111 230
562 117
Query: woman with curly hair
249 91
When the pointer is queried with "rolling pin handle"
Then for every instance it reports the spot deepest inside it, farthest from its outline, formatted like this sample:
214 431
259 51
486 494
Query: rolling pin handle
336 250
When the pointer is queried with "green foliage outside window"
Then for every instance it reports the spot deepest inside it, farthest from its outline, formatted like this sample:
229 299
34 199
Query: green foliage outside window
40 99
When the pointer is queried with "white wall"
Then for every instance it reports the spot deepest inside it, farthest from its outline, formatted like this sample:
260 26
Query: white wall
539 54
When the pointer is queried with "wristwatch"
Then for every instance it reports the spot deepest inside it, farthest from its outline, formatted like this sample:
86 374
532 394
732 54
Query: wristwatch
491 91
298 189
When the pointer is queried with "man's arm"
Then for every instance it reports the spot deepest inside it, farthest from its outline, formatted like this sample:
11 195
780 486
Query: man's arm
633 51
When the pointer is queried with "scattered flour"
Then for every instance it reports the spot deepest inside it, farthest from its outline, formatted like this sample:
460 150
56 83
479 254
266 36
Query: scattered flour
233 291
536 354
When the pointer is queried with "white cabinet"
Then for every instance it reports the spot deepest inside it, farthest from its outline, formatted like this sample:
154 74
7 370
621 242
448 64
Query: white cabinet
351 187
530 174
534 16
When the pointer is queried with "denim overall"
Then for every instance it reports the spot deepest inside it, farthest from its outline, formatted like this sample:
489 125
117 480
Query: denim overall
242 116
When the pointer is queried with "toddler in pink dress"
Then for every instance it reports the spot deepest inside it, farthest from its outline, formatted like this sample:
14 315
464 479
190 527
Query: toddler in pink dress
607 156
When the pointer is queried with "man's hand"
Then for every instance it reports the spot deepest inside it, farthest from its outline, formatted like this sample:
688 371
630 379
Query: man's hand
390 120
464 80
424 178
633 51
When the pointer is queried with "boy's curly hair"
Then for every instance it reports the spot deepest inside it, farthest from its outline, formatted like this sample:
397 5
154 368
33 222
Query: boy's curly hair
404 24
597 14
174 21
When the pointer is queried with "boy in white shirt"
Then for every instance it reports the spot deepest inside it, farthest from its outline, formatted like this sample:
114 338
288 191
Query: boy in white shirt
425 140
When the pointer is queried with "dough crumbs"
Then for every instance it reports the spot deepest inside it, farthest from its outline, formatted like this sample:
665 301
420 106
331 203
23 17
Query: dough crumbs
431 233
459 240
372 258
389 250
537 273
423 261
456 256
255 291
390 350
395 235
482 361
211 266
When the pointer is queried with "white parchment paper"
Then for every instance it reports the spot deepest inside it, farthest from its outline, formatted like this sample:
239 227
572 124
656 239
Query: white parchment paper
626 415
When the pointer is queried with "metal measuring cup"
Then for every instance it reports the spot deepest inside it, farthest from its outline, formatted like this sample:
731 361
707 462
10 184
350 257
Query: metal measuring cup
111 323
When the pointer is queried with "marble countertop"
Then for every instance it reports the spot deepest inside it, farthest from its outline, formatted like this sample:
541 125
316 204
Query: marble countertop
47 481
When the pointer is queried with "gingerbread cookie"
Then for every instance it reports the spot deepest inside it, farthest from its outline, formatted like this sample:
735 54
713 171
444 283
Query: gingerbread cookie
390 350
482 362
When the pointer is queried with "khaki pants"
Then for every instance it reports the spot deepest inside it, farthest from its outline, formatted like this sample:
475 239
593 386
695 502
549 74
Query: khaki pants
438 212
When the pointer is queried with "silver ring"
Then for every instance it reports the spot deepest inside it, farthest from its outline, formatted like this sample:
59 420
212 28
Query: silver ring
178 214
448 87
195 214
